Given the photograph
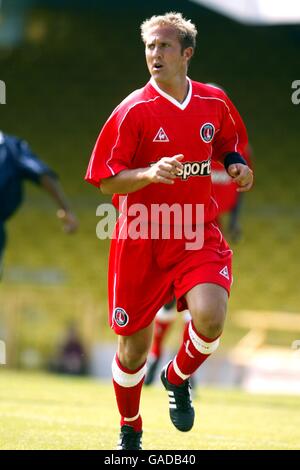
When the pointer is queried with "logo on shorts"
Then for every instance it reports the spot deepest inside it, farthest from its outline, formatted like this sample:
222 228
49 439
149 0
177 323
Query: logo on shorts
224 272
207 132
120 316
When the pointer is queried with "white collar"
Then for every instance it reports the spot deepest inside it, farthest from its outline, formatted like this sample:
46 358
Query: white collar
170 98
1 137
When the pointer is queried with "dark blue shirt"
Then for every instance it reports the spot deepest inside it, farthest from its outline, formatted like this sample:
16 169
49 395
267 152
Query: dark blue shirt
17 164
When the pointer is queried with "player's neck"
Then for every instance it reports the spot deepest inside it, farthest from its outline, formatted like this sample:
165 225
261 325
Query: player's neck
178 89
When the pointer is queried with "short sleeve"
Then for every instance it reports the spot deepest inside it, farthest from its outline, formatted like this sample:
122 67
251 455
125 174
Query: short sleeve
232 136
29 165
115 147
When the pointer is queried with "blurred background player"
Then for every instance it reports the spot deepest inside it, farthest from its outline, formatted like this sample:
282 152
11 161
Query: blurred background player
19 164
229 200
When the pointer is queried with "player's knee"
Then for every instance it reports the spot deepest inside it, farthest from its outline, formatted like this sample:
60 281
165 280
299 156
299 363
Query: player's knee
213 327
209 321
132 356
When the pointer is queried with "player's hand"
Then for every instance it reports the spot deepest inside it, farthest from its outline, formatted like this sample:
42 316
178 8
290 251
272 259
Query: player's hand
69 221
166 169
242 175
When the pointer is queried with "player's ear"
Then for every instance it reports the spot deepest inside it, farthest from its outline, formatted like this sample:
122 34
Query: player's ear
188 53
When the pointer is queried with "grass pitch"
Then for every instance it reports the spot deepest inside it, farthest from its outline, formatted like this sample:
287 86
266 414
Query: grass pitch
39 411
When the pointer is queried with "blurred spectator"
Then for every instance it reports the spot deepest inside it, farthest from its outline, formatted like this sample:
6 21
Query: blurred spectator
71 356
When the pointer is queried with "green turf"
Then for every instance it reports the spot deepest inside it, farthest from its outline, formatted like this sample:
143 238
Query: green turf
49 412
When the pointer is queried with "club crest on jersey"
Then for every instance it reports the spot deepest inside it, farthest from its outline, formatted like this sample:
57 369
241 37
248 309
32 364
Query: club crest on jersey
207 132
161 136
120 316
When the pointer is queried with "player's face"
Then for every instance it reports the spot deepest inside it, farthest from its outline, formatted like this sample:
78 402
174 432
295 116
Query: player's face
165 58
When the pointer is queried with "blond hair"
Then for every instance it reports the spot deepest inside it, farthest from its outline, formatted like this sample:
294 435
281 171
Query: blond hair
187 31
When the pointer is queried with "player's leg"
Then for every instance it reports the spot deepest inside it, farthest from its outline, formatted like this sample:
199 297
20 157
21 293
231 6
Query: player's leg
128 370
202 283
162 323
187 318
207 305
137 290
163 320
133 349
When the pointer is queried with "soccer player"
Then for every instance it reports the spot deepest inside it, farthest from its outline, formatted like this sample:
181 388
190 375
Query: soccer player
18 164
155 149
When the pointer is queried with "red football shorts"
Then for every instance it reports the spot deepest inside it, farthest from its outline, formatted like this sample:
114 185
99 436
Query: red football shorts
146 274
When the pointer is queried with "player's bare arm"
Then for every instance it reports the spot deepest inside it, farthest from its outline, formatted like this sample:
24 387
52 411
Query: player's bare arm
129 181
242 175
64 213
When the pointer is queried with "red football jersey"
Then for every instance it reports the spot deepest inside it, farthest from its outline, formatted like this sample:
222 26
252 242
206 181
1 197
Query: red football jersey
150 124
